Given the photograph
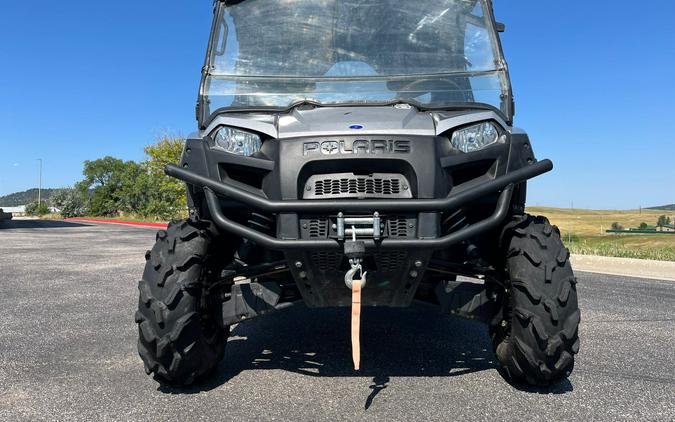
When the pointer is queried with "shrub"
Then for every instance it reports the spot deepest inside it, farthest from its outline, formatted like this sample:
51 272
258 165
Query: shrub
71 202
37 209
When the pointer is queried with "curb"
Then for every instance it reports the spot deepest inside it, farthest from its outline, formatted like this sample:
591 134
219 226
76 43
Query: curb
120 222
627 267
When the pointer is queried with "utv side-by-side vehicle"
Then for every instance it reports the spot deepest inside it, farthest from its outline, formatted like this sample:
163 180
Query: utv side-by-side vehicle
357 146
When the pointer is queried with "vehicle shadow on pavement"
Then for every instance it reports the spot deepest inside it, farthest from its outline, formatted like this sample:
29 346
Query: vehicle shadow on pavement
39 224
414 342
564 386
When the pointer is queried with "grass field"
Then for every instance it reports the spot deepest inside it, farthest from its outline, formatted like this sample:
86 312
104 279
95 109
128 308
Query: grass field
584 233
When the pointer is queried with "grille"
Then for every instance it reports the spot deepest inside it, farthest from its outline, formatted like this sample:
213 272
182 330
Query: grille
327 261
398 226
318 228
357 185
391 262
348 185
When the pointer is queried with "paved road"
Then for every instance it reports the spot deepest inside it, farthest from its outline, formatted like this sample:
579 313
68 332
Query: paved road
67 350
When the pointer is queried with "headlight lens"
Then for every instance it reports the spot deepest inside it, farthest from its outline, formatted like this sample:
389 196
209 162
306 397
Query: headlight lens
475 137
237 141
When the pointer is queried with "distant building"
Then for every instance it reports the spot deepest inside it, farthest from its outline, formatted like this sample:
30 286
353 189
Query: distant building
646 229
666 228
19 211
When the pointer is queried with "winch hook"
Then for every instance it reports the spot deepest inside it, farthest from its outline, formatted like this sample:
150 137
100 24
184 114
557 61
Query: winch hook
351 273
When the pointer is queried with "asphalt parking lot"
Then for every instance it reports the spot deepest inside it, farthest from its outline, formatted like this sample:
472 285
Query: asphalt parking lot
67 349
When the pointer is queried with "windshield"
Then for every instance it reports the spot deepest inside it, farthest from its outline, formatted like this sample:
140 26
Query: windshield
429 53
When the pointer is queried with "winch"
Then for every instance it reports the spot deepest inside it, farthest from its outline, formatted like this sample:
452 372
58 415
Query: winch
359 226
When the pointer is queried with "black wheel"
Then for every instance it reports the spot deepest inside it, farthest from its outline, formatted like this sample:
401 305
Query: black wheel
535 337
179 340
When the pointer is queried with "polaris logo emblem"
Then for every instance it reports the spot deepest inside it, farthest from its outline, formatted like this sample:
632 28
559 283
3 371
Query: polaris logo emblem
329 147
359 146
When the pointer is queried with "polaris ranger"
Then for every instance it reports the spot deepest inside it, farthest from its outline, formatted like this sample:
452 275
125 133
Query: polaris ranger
357 153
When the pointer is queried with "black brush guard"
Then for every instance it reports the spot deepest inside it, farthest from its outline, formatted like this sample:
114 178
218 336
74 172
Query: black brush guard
503 184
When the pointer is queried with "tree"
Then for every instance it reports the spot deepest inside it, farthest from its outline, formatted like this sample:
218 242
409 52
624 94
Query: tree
663 221
135 189
71 202
105 184
167 197
37 209
112 186
617 226
644 226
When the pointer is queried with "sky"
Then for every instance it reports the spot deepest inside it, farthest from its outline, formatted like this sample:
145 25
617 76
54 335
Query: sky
594 87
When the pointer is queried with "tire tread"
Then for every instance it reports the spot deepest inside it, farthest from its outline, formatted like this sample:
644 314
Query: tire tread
177 342
539 349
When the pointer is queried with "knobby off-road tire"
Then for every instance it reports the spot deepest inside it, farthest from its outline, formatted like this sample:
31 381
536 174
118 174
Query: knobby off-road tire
536 336
179 341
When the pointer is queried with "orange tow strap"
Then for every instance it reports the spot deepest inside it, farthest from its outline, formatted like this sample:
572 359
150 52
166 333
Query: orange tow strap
356 324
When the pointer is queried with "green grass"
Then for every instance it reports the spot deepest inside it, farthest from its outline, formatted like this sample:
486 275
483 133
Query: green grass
583 231
623 246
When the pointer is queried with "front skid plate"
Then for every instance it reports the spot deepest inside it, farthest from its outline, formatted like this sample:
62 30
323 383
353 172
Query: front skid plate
393 277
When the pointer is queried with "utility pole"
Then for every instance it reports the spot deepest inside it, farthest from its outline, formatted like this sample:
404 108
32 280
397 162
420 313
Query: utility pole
40 184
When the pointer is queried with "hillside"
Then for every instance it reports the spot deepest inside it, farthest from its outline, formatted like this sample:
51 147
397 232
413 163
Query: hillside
22 198
670 207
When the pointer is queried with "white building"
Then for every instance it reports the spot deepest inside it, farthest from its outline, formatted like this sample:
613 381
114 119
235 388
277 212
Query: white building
666 228
19 211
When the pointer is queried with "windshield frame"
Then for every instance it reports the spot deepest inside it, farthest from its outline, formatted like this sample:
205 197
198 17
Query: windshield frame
204 117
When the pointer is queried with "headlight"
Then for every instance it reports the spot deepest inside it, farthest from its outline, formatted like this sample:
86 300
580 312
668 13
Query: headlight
475 137
237 141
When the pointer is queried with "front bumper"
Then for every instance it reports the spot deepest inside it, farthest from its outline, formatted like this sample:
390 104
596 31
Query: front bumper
396 263
504 184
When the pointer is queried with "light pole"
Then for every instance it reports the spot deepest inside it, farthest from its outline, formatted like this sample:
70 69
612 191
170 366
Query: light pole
40 184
